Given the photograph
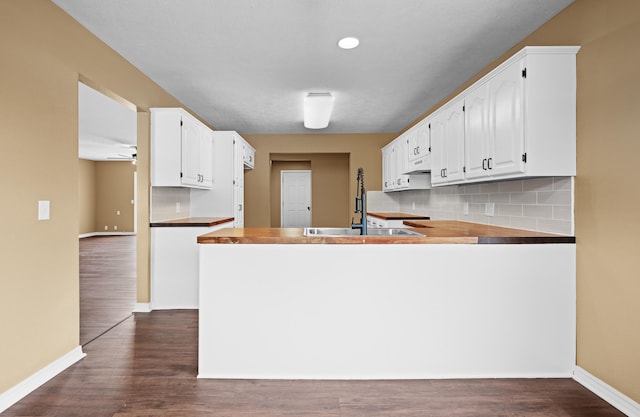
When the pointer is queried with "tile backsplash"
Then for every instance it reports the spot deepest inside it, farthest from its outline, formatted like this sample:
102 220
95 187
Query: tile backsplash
168 203
540 204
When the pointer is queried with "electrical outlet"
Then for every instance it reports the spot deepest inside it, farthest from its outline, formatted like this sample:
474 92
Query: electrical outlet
465 208
115 227
106 227
489 209
177 207
413 205
117 212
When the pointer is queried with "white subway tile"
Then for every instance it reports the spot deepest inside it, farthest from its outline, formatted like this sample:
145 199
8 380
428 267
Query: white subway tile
562 213
471 188
554 226
489 187
554 197
480 198
510 186
562 183
504 221
538 184
504 198
527 223
523 198
508 209
539 211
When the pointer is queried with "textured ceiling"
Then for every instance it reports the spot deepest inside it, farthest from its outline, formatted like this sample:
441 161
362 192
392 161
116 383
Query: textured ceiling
246 65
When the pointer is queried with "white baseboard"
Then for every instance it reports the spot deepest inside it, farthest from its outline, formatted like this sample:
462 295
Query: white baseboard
24 388
92 234
607 392
142 308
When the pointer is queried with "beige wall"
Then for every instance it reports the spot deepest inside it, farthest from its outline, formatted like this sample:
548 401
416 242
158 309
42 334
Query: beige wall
607 201
114 192
329 186
44 54
105 188
363 151
87 196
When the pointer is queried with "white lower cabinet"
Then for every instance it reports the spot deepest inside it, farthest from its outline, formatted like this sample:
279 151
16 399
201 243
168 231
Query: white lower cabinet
174 266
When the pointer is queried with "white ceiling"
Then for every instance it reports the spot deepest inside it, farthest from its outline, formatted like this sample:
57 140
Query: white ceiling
246 65
106 128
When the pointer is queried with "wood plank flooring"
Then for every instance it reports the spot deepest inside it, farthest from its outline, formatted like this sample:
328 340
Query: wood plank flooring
107 283
147 366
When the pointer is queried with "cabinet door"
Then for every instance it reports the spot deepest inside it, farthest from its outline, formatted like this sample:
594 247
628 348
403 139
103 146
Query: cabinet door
206 157
454 141
400 151
387 183
190 174
238 210
438 149
477 152
506 121
413 148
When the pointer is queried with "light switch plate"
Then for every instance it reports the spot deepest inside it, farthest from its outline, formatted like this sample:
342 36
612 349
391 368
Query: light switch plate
465 208
44 209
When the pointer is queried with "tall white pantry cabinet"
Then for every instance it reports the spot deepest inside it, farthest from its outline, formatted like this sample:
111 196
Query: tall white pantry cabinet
232 154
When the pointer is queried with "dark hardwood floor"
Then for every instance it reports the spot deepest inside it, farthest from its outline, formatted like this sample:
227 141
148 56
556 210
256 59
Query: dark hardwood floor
147 366
107 283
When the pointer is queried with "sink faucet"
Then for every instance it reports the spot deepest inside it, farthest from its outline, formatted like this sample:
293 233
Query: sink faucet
361 204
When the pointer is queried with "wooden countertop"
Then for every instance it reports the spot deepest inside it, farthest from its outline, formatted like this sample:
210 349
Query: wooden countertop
437 232
394 215
485 233
193 222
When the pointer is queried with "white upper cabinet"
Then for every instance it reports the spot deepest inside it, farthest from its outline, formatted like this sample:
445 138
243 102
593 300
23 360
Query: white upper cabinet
447 144
494 128
181 150
418 142
517 121
394 165
248 155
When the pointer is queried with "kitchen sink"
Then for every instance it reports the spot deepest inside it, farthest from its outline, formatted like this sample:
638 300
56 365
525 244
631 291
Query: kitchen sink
331 231
345 231
392 231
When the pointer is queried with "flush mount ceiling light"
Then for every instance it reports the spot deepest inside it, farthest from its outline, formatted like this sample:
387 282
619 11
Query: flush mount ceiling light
317 110
348 42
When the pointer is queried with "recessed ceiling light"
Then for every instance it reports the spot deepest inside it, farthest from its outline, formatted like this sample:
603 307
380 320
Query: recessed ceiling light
348 43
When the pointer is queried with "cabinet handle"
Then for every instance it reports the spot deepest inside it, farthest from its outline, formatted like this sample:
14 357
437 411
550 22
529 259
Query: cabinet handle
489 163
239 207
484 164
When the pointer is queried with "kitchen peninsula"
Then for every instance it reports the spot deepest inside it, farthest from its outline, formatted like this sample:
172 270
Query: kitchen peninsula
464 301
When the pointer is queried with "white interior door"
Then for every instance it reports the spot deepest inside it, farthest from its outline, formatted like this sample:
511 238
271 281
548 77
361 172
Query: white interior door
295 198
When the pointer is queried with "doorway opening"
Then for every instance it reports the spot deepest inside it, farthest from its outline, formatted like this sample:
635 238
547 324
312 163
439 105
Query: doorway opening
330 182
107 157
